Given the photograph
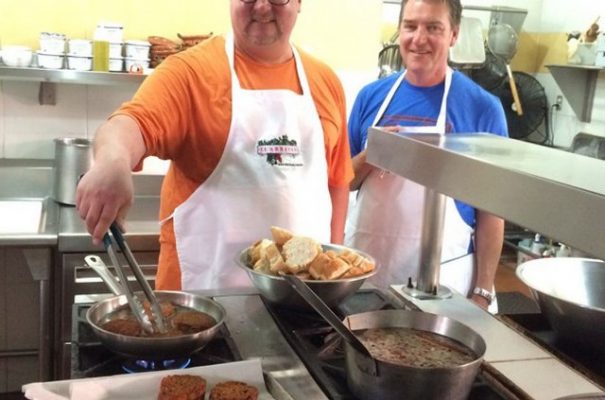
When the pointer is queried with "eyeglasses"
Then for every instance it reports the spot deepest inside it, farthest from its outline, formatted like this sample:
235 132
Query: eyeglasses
272 2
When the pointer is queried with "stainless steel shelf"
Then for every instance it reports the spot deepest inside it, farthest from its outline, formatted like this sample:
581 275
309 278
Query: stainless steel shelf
68 76
556 193
578 84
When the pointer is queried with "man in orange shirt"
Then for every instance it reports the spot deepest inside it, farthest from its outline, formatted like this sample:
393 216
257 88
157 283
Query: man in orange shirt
256 133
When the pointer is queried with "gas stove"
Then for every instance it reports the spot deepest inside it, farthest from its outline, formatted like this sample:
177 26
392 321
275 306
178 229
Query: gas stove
89 358
302 357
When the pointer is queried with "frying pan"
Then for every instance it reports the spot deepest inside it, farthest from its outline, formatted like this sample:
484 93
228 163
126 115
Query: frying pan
370 378
156 348
502 41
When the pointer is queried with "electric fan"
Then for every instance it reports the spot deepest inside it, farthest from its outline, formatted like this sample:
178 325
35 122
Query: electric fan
533 99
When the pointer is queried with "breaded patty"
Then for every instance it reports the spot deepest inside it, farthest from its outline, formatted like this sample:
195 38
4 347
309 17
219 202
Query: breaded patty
192 321
121 326
182 387
233 390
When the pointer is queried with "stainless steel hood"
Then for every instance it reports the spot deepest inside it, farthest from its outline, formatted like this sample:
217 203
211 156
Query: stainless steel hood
556 193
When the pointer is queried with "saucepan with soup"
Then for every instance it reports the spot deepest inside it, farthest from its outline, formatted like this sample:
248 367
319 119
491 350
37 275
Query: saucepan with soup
398 354
417 355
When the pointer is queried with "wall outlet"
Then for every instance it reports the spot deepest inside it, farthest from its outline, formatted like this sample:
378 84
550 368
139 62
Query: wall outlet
558 102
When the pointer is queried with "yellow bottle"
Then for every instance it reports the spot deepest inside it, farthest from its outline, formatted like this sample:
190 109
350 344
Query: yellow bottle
100 55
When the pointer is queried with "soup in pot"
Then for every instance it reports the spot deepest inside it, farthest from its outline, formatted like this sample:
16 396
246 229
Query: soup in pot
415 348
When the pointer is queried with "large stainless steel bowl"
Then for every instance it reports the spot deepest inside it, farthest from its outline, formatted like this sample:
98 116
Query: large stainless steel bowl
571 293
276 290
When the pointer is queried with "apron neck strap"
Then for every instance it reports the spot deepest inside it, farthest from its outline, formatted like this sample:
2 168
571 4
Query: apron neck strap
441 119
230 50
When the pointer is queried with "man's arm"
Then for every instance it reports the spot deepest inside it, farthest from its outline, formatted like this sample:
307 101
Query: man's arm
361 169
340 203
106 191
489 236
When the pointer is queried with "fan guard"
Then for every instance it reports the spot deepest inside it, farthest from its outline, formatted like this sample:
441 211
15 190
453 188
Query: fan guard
533 101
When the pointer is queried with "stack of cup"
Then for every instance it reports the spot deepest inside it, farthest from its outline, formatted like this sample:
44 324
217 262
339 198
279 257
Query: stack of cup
137 55
79 54
52 50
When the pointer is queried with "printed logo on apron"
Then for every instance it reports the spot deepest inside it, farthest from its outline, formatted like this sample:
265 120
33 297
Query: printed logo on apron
280 152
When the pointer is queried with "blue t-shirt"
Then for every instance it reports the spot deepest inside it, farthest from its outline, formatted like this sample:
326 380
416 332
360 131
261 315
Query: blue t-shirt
470 108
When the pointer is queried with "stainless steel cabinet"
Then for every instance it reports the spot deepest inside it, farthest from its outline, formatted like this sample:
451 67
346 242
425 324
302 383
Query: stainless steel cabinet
24 318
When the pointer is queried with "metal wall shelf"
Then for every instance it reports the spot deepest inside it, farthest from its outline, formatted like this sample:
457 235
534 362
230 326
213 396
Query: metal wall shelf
578 84
68 76
554 192
49 78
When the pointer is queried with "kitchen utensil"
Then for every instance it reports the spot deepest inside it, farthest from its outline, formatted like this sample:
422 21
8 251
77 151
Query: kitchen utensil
97 264
468 51
278 291
73 157
368 362
502 41
394 381
571 294
135 304
161 347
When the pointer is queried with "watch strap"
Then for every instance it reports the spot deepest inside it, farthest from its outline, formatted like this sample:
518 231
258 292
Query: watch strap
486 294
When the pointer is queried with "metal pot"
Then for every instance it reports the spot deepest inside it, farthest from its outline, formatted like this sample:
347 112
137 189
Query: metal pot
571 294
276 290
391 381
73 157
156 348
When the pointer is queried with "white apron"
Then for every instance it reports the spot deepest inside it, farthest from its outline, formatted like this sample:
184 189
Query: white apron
386 220
273 171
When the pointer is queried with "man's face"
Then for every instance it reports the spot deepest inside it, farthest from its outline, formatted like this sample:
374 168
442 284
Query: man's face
426 35
262 24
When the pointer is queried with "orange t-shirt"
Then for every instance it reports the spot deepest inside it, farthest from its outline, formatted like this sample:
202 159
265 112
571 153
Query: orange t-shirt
183 110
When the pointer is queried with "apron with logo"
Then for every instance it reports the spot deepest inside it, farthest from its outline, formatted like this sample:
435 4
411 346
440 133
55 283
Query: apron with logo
273 171
386 220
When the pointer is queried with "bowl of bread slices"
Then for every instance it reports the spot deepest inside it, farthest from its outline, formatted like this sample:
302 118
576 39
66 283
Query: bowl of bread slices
333 272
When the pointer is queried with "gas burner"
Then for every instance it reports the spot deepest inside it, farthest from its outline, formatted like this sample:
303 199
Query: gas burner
133 366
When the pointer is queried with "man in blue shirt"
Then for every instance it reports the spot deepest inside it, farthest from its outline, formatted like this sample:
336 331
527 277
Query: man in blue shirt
428 97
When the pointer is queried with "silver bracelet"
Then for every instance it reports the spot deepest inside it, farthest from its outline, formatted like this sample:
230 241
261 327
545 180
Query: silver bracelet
486 294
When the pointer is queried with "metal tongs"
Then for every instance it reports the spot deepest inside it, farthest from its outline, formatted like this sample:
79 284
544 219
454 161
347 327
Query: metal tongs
121 284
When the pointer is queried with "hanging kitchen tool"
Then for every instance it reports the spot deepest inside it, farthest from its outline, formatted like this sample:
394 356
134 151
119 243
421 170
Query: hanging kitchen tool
468 51
502 41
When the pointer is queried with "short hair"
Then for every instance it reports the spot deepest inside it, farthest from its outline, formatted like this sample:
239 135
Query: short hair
454 7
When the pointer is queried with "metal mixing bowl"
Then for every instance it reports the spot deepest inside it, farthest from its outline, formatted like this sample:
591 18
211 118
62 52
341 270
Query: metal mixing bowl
571 294
276 290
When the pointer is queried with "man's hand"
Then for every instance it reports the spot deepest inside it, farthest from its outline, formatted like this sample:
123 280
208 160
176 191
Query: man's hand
104 195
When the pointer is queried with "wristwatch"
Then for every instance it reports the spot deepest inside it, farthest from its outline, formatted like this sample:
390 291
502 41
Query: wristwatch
486 294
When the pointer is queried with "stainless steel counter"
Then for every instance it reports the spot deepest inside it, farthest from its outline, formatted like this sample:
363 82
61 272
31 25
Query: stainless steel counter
142 228
556 193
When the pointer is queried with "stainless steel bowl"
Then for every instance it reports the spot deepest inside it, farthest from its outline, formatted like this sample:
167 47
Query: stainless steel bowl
276 290
571 293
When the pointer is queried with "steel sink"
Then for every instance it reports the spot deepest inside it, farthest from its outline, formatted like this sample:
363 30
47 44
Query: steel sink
21 216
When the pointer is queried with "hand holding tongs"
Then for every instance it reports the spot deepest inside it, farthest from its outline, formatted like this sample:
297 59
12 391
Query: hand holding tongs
123 286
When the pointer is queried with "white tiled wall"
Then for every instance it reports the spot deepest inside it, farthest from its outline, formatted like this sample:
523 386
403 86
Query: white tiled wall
28 128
